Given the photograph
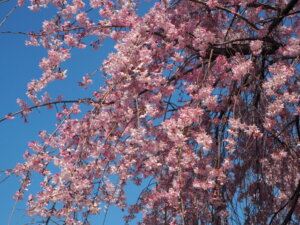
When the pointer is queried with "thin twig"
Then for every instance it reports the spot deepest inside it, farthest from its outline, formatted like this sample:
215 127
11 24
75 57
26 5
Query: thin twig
17 32
4 179
47 104
8 15
182 209
138 111
264 6
3 1
236 40
231 23
231 12
16 201
12 212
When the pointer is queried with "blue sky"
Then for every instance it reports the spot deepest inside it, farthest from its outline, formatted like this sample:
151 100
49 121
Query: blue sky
19 65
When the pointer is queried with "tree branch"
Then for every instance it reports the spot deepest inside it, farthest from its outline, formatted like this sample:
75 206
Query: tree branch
3 1
232 49
18 32
8 15
283 14
294 200
88 100
229 11
264 6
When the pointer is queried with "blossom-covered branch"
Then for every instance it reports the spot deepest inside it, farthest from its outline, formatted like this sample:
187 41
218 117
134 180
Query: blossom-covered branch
202 97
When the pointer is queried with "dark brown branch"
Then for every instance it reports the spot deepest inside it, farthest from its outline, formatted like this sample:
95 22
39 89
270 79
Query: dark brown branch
229 11
264 6
231 23
268 49
238 40
49 217
88 100
281 208
229 49
297 127
268 20
18 32
294 201
63 30
283 14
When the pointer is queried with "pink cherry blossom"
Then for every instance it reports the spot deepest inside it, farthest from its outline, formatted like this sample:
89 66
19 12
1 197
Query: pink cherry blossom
199 97
256 47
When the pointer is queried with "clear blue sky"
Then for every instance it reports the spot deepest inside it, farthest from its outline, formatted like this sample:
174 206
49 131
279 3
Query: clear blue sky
18 65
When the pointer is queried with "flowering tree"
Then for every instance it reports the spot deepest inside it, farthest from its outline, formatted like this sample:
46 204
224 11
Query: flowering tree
201 98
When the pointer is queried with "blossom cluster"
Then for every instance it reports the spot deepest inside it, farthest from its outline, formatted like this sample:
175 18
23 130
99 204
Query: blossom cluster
200 97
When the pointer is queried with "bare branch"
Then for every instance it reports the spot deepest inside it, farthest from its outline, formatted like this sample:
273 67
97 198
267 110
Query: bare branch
8 15
3 1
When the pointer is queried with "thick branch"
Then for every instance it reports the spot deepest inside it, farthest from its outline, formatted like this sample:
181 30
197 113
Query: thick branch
264 6
294 201
283 14
297 127
228 51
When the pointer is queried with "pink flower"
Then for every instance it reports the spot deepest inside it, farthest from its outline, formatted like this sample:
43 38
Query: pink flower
292 47
9 116
71 40
82 19
279 155
18 195
79 4
256 47
23 105
49 27
205 185
33 41
86 81
35 146
204 140
46 97
75 109
95 3
241 69
20 3
212 3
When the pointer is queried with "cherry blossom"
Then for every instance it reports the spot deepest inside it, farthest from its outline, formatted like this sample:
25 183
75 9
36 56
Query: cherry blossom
200 97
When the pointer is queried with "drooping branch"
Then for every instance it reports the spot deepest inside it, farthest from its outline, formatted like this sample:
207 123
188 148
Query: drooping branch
189 129
86 101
